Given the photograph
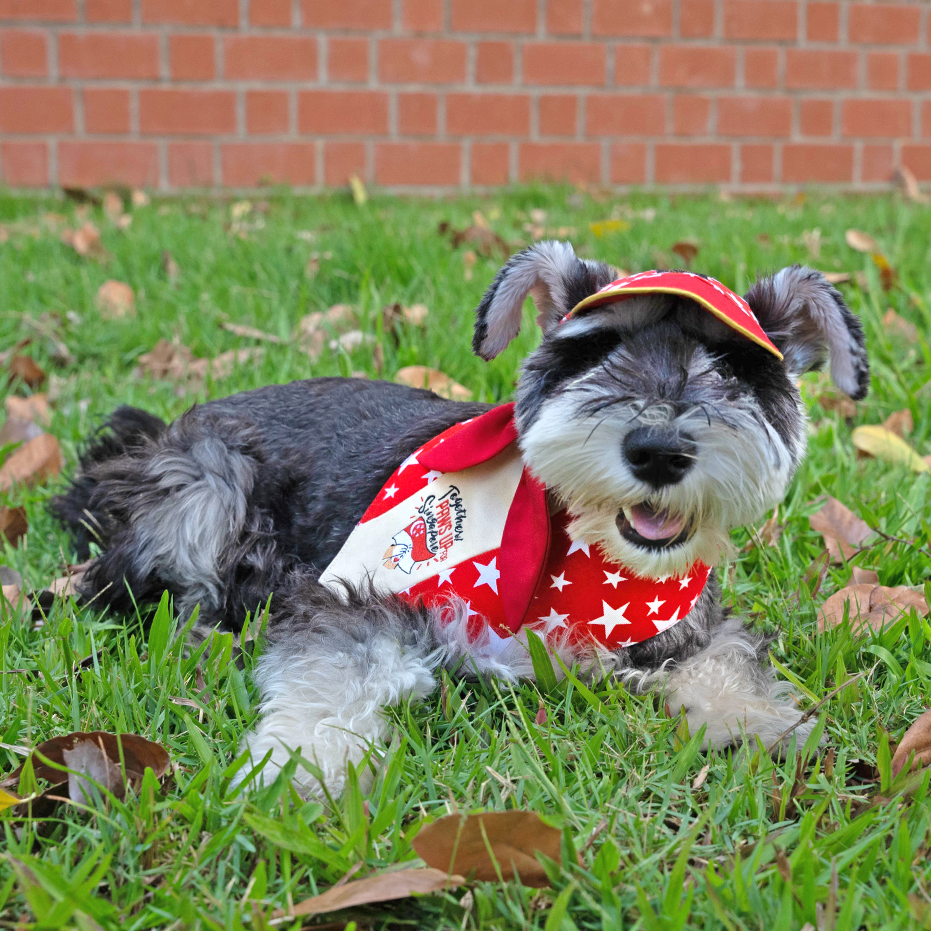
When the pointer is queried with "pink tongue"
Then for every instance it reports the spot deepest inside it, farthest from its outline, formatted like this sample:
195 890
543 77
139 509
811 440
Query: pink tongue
655 525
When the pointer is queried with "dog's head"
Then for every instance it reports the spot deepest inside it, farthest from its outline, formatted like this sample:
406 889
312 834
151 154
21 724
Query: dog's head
658 425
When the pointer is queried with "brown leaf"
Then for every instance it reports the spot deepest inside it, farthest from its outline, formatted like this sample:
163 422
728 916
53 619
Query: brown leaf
771 531
900 423
313 329
17 430
249 332
13 524
33 462
838 403
907 183
352 340
140 198
115 300
480 845
917 741
419 376
686 251
900 327
34 408
469 258
86 242
167 360
485 241
170 267
888 276
877 441
26 370
225 363
112 205
837 277
864 576
870 606
379 887
90 765
861 242
842 530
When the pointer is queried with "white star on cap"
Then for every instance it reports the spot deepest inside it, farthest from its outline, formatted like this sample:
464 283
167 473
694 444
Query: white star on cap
432 476
554 620
612 578
684 583
444 577
655 605
578 545
391 491
409 461
560 581
488 574
612 617
664 625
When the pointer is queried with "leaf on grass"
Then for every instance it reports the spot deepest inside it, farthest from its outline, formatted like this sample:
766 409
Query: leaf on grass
771 530
25 369
837 277
112 205
33 462
13 524
842 530
900 327
16 430
882 443
900 423
90 765
602 228
359 194
115 300
861 242
170 267
838 403
905 180
379 887
860 576
226 363
395 316
140 198
686 251
249 332
870 607
352 340
175 362
420 376
86 242
35 408
486 242
313 329
888 276
917 741
469 258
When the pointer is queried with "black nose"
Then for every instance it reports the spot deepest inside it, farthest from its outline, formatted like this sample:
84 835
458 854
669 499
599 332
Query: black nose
658 456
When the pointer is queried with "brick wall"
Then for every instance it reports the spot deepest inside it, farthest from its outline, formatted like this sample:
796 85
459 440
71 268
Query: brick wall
452 93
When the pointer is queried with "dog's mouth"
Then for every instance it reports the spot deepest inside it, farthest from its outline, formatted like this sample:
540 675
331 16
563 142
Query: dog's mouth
650 528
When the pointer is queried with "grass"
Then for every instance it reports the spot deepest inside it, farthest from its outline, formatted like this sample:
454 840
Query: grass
754 843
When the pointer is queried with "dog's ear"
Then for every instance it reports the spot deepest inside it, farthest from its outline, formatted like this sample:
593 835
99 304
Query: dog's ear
550 272
806 317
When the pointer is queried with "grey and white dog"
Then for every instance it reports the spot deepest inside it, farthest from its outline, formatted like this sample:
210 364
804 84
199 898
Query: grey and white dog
255 494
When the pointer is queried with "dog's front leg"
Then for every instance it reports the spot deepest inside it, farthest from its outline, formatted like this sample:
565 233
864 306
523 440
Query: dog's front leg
729 687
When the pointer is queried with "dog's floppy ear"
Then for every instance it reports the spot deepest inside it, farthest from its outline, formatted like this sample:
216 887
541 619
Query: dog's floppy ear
806 317
550 272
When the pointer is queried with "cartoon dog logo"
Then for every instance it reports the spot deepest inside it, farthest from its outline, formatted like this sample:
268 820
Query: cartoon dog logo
408 547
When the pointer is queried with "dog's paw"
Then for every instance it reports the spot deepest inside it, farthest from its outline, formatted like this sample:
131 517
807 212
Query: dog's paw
774 723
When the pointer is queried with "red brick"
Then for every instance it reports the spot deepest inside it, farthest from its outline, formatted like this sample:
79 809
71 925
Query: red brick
803 163
417 114
250 164
917 158
761 67
52 11
558 115
564 18
494 63
270 58
24 53
697 66
776 20
190 164
422 15
487 114
569 63
822 22
106 110
632 64
108 11
192 57
926 119
36 109
648 18
690 114
756 164
882 71
93 164
347 59
696 19
107 55
695 163
421 61
342 113
490 163
418 163
269 12
342 160
514 16
347 14
560 161
878 163
808 69
919 72
883 23
267 112
816 117
176 112
754 116
876 118
191 12
625 115
24 164
628 163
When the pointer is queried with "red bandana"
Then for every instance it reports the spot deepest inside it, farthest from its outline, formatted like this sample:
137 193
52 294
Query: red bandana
462 517
728 307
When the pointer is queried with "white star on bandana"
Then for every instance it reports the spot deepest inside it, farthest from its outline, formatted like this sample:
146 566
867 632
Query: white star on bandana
655 605
578 545
488 574
445 576
612 617
391 491
669 622
409 461
560 581
553 620
613 578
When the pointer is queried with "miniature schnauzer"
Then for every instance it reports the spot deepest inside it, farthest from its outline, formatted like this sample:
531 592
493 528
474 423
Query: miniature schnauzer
644 429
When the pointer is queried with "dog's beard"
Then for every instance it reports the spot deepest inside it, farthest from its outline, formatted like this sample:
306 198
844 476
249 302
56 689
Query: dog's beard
741 469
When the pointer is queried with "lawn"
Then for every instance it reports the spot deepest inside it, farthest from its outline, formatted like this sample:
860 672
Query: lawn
667 837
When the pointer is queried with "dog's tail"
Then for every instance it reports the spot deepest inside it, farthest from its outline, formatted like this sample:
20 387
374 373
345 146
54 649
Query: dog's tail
80 508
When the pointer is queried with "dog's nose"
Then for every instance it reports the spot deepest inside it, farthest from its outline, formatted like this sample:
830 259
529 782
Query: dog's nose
658 456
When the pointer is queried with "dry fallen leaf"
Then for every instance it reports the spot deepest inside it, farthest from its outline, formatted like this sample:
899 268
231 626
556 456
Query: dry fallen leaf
837 277
686 251
86 242
225 363
419 376
864 576
900 327
352 340
170 267
90 766
486 242
861 242
112 205
884 444
842 530
115 300
469 258
33 462
175 362
25 369
907 183
359 194
140 198
602 228
900 423
870 606
249 332
379 887
13 524
478 846
17 430
35 408
771 530
838 403
917 741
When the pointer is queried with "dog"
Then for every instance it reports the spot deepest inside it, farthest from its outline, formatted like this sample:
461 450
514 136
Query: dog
643 430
